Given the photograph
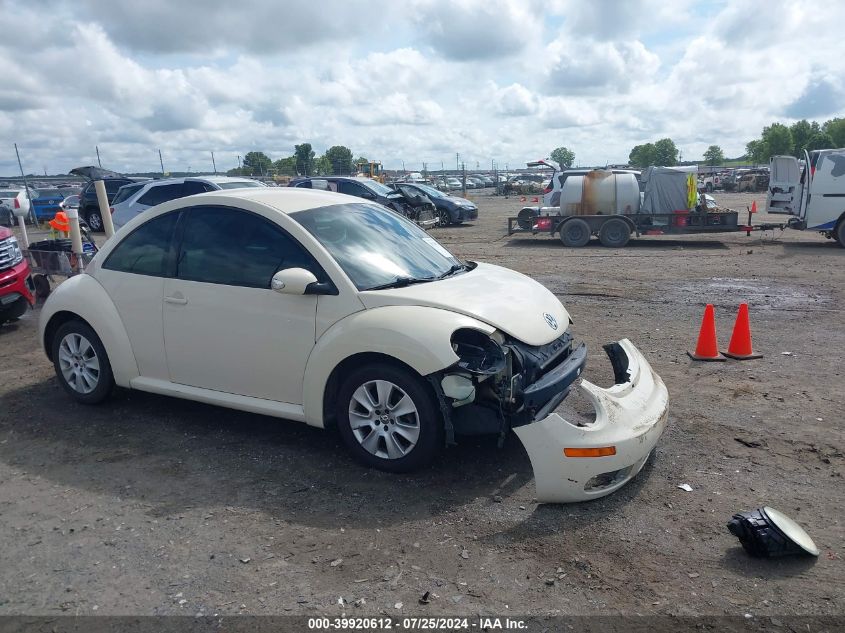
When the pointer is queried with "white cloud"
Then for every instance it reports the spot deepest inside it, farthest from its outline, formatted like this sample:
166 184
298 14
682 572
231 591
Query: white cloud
416 81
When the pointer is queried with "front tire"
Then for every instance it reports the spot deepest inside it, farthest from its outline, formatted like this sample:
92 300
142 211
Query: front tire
388 418
444 217
81 363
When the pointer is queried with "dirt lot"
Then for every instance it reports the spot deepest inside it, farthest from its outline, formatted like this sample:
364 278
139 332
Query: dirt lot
149 505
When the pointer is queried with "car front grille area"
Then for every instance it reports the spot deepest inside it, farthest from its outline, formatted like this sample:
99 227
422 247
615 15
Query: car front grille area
8 253
536 361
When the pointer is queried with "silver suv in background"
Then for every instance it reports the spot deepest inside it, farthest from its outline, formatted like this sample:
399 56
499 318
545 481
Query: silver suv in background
136 198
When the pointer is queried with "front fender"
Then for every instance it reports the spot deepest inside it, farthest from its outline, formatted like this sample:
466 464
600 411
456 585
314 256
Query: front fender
418 336
84 296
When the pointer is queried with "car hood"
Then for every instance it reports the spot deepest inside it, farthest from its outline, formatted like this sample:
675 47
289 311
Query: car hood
461 202
509 301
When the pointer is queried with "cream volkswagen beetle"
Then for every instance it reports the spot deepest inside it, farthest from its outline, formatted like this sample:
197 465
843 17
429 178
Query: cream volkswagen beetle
323 308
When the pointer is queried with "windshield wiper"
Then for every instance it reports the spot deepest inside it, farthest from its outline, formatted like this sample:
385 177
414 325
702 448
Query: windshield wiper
456 268
401 282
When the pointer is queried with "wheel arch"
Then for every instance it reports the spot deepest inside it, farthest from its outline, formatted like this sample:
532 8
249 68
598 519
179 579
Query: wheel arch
348 365
82 298
372 335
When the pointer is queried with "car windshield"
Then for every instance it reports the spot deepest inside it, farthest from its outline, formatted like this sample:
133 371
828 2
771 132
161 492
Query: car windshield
239 185
376 186
431 192
9 194
376 247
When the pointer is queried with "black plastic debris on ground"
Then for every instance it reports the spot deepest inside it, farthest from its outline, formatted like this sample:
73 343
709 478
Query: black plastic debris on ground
761 537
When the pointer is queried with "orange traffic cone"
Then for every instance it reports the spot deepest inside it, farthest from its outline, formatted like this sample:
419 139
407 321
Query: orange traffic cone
707 348
740 345
754 206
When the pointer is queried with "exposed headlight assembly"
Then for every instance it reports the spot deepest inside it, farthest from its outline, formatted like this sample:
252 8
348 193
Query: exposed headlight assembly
478 353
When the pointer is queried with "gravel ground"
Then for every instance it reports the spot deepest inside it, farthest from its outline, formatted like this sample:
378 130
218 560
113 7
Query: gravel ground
150 505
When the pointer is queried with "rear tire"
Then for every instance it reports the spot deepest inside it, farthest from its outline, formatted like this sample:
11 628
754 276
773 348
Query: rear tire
81 363
839 235
445 217
95 221
575 233
388 418
615 233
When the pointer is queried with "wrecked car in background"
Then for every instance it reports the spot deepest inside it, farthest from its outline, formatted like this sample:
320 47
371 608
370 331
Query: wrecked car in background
387 336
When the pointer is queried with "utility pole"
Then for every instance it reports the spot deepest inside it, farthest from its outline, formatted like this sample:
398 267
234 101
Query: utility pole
98 156
161 162
239 161
457 161
213 164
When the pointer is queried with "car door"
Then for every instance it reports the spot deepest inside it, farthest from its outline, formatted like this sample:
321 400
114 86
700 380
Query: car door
133 276
224 328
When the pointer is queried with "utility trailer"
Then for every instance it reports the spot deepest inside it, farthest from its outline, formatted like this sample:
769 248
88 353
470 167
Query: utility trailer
615 230
615 206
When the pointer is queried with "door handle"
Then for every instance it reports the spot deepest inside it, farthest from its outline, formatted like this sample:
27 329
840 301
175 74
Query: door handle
179 301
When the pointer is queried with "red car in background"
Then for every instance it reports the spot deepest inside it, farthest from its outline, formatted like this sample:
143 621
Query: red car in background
17 291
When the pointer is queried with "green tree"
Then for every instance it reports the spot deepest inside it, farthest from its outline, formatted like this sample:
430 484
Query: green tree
714 155
642 155
304 159
755 151
563 156
257 164
801 132
820 141
665 153
285 166
777 140
836 129
340 159
323 166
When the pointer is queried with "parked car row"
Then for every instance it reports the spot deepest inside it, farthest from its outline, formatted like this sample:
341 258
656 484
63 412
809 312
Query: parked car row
411 203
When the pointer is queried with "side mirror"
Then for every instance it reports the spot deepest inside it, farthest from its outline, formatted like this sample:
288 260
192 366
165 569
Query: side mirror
292 281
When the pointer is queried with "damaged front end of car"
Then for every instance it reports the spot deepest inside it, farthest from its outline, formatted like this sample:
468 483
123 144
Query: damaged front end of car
499 384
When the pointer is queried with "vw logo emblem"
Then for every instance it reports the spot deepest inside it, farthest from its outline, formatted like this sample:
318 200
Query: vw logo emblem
550 320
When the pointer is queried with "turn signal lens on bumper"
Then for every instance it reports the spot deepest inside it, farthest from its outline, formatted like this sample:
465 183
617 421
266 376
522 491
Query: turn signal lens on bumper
604 451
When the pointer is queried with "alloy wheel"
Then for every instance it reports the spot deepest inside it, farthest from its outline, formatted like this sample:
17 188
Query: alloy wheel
79 364
384 419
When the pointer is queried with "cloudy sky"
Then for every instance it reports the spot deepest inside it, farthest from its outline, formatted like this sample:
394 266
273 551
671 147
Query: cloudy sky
409 80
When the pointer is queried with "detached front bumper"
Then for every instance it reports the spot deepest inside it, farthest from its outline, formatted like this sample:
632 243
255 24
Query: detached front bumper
578 463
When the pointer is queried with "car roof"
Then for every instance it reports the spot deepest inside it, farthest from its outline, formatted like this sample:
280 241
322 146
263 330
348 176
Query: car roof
282 199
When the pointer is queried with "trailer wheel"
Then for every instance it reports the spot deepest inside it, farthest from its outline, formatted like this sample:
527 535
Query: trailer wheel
615 233
575 233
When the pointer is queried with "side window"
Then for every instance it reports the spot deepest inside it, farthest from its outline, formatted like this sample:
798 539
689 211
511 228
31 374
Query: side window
161 193
320 183
228 246
145 250
352 189
191 187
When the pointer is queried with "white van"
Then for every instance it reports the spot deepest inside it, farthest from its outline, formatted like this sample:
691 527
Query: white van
814 193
